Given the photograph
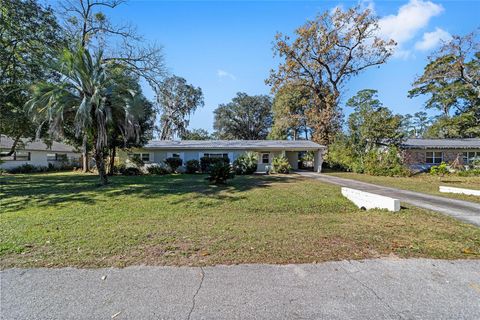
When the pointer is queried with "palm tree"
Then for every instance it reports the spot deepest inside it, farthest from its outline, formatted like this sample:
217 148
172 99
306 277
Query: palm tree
84 96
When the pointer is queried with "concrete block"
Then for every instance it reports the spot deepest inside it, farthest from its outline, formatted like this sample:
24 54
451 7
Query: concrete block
369 200
459 190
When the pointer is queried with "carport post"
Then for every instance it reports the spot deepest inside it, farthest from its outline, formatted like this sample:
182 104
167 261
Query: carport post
317 161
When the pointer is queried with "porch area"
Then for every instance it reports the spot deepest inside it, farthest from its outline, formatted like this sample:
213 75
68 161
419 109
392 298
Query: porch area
265 159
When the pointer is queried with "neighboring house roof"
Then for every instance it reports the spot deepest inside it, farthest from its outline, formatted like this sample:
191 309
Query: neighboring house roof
468 143
37 145
235 144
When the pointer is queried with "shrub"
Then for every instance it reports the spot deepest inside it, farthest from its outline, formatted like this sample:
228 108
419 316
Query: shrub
192 166
206 163
173 163
246 163
132 171
157 169
24 168
307 159
43 169
281 165
28 168
341 156
469 173
119 168
63 166
378 162
220 172
137 161
440 170
475 163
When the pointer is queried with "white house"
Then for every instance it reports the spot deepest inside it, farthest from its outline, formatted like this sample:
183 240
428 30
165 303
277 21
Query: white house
156 151
37 153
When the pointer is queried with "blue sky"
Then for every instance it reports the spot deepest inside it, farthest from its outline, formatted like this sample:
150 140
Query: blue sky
226 47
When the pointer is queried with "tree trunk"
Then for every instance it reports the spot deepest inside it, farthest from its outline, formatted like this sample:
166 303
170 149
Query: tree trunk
84 162
100 162
113 153
13 147
84 154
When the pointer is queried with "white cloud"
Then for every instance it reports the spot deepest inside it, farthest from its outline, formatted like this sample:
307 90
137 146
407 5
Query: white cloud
367 4
431 39
409 19
225 74
403 54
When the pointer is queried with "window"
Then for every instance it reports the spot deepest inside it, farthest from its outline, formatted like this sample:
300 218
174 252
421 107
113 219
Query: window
145 157
470 156
9 158
175 155
22 156
18 156
57 157
265 158
434 157
216 155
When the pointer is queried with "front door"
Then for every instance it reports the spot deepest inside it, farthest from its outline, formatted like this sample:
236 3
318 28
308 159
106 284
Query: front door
264 161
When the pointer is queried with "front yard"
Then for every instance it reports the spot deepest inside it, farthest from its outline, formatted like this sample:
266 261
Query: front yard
55 220
422 183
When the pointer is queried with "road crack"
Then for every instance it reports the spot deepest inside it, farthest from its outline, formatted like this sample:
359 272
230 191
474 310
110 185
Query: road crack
364 285
196 293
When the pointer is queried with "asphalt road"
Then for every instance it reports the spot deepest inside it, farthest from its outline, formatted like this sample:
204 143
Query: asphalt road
370 289
459 209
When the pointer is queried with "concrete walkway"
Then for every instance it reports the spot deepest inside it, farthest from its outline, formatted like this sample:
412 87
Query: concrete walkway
462 210
369 289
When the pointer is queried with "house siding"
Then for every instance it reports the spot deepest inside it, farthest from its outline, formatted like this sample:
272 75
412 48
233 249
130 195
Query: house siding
418 157
38 159
159 155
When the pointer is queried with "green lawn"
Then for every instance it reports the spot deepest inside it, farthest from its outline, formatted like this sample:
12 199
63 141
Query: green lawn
422 183
55 220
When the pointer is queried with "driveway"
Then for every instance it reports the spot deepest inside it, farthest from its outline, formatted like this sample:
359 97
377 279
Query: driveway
370 289
462 210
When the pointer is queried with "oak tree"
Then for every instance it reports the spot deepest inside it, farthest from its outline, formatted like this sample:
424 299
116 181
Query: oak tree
177 101
290 107
29 35
196 134
244 118
325 53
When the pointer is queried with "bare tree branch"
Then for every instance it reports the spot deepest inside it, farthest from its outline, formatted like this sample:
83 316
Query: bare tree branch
325 54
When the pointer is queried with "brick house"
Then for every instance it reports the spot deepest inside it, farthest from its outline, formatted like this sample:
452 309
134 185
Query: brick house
424 153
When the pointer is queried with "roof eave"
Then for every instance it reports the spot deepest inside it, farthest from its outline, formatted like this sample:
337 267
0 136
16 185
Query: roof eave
438 147
237 148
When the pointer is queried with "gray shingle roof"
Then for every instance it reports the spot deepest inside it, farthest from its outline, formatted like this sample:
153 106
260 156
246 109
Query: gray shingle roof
234 144
470 143
6 143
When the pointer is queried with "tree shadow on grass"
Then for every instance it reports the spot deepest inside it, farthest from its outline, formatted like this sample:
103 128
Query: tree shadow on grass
41 190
